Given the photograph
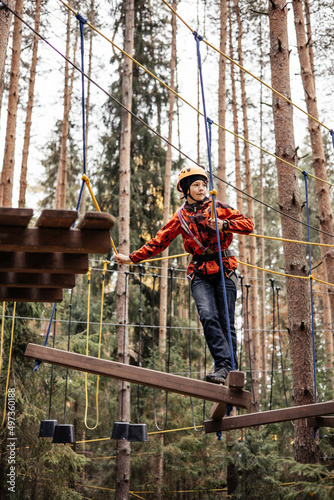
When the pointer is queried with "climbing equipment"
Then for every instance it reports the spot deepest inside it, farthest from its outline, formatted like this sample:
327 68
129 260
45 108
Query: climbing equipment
189 171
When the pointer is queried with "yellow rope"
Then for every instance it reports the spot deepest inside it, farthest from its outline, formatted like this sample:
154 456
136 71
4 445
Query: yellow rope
277 238
2 331
9 363
191 105
246 71
87 181
105 263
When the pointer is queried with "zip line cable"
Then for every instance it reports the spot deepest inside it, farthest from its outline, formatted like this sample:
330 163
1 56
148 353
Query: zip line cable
154 131
193 107
247 71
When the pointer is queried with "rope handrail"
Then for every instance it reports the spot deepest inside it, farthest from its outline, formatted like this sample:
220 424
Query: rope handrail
246 70
273 155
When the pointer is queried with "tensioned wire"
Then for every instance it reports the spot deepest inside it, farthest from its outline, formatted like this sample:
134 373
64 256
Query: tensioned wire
246 70
154 131
193 107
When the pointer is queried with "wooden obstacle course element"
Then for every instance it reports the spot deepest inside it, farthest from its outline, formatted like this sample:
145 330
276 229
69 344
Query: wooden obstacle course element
235 381
48 255
320 421
269 417
143 376
31 294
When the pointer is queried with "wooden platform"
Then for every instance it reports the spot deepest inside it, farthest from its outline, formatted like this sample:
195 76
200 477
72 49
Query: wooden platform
320 421
269 417
138 375
235 381
38 262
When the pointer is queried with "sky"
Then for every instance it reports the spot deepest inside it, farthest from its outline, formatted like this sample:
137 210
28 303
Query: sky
49 89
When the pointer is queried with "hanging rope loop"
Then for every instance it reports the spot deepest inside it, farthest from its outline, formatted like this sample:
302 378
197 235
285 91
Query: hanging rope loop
81 18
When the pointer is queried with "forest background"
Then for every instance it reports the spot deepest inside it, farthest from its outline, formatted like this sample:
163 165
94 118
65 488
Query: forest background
184 463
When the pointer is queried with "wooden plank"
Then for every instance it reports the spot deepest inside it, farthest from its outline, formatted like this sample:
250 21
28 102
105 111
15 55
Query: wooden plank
138 375
96 220
37 280
57 218
35 239
269 417
235 381
31 294
320 421
44 262
19 217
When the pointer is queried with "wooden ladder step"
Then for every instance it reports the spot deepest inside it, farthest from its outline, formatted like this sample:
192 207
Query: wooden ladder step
31 294
96 220
320 421
18 217
62 219
36 280
59 263
235 381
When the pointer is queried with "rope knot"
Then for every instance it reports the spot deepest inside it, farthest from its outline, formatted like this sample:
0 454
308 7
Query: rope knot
197 36
305 173
210 122
81 18
213 192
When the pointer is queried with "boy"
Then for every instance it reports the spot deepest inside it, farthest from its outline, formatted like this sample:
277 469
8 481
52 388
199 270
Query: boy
193 220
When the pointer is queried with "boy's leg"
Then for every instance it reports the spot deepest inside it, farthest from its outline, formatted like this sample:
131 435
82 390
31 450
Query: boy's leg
231 295
205 299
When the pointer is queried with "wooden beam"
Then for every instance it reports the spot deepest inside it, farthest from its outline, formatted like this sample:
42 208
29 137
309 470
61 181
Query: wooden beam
37 280
269 417
235 381
96 220
35 239
320 421
138 375
31 294
18 217
57 218
44 262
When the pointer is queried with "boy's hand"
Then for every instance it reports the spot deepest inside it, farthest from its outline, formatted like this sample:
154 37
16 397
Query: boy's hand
123 259
222 224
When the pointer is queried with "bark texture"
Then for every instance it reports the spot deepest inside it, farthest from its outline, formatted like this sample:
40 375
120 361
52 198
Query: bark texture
123 447
318 154
7 175
31 91
306 448
5 22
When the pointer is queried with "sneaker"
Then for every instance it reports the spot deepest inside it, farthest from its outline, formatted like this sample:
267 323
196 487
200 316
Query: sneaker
219 376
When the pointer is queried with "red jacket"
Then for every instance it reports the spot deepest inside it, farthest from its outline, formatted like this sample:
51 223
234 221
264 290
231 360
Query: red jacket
197 218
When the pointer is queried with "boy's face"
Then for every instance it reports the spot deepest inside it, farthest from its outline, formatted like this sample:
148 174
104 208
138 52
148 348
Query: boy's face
197 191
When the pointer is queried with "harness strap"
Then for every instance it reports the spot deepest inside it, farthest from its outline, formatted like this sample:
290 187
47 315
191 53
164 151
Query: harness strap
187 229
214 256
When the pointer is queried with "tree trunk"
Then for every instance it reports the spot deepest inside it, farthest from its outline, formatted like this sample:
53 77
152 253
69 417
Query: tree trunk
23 178
5 22
306 448
7 175
222 102
123 447
318 154
309 34
62 167
167 191
254 318
263 326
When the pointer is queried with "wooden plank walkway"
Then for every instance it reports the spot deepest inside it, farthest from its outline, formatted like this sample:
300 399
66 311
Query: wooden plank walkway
138 375
48 255
269 417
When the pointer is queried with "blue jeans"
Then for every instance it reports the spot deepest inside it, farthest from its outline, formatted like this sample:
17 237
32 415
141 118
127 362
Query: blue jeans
209 298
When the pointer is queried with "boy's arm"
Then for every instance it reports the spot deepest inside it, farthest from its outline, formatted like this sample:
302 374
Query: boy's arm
156 245
237 222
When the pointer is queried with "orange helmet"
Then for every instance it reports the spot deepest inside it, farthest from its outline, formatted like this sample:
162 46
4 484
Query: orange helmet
189 171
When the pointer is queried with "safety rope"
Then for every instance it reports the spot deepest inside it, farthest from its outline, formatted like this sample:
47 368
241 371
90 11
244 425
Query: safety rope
141 274
105 263
280 345
192 106
190 360
68 349
311 291
272 282
207 126
52 366
9 366
247 286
